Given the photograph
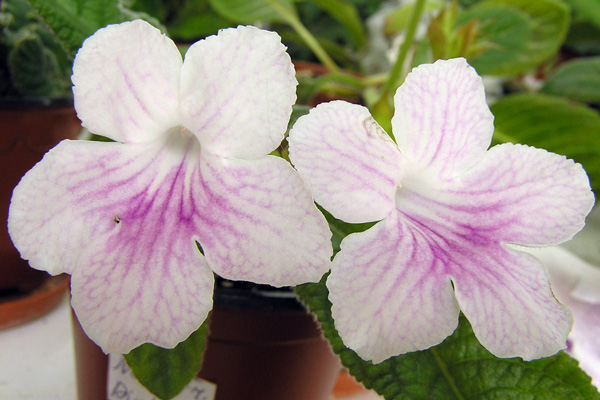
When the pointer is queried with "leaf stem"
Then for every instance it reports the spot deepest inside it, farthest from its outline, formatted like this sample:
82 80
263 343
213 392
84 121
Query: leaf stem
306 36
373 80
392 83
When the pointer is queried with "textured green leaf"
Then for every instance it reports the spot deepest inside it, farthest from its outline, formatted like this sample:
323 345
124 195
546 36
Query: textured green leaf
548 21
552 123
75 20
251 11
578 79
35 69
15 15
347 15
459 368
37 63
166 372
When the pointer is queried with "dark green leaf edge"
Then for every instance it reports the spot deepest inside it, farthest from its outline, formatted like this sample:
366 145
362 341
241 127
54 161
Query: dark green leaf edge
578 79
459 368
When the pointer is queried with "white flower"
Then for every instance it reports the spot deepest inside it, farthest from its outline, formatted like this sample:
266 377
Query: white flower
189 164
447 206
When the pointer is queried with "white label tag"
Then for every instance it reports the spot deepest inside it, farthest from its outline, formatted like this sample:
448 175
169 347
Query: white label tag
122 385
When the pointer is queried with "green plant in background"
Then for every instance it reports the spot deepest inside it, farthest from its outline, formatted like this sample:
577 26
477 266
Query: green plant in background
39 39
33 61
544 55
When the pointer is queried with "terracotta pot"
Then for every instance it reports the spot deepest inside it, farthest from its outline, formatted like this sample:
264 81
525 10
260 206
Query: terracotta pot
91 366
29 128
262 344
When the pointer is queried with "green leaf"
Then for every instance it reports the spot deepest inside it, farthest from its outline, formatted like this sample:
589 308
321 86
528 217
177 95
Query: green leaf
35 69
38 65
552 123
578 80
459 368
587 9
166 372
347 15
548 22
506 32
195 20
75 20
340 229
583 39
16 14
251 11
159 9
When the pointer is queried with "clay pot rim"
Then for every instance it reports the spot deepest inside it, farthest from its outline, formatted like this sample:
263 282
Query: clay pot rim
43 299
27 102
247 295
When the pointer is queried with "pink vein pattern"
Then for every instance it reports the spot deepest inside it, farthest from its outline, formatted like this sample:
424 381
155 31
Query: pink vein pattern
189 165
447 209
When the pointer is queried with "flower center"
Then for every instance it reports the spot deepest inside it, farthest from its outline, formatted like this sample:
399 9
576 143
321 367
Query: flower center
179 131
182 143
183 131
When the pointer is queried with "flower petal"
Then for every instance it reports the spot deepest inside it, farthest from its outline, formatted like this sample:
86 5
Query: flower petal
585 338
146 283
237 92
442 122
126 78
523 195
55 211
577 284
516 194
506 296
390 293
351 164
571 277
260 223
121 219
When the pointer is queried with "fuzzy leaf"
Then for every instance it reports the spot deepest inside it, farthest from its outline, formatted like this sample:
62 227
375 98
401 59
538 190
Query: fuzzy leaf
578 80
166 372
75 20
552 123
459 368
36 62
35 69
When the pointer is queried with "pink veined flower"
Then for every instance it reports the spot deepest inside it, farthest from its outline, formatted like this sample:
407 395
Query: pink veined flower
447 207
189 164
